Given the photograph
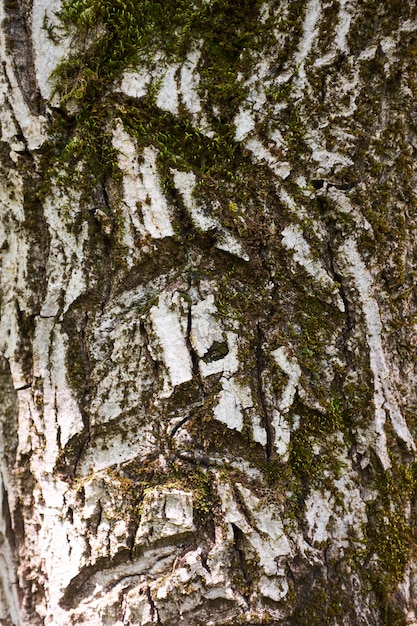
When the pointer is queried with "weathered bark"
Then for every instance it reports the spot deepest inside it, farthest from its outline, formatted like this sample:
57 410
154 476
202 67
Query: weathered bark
208 315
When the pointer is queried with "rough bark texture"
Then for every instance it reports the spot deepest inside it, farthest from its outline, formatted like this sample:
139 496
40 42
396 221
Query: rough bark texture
208 349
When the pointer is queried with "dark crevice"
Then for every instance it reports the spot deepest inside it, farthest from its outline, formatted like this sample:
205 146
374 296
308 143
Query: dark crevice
193 354
349 322
195 458
216 352
262 403
178 426
243 508
154 366
105 197
8 520
28 386
19 135
338 278
99 516
19 44
204 561
154 610
238 545
85 391
70 455
78 456
130 540
319 183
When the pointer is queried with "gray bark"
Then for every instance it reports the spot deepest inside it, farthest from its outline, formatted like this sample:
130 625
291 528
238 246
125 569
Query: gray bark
208 315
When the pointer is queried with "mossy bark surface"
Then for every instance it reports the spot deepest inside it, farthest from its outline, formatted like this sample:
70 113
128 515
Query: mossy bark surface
207 312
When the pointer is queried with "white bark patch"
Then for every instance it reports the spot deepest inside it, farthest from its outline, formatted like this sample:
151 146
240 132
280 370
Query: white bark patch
245 123
189 82
343 26
136 84
310 32
228 364
231 400
292 238
60 408
265 535
344 205
251 109
185 183
32 126
47 53
280 169
384 398
258 431
282 434
141 189
280 425
104 504
168 94
328 161
64 268
166 513
205 329
46 422
9 603
319 510
64 558
156 214
329 521
13 275
169 329
293 371
118 352
105 599
115 449
58 394
345 15
234 398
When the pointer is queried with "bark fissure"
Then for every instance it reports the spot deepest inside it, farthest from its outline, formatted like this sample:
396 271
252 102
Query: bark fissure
238 538
262 403
20 47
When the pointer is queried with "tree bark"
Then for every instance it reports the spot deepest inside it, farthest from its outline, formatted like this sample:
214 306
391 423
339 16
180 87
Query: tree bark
208 348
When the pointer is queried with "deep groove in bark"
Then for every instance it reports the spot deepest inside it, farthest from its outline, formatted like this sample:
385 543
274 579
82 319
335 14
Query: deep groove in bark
239 542
262 403
19 44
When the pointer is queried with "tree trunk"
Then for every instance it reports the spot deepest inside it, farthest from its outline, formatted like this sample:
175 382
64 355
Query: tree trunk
208 315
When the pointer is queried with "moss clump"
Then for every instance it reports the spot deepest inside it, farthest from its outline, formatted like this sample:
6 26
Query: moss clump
313 451
113 36
391 535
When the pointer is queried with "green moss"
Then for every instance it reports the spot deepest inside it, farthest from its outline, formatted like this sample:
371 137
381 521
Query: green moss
313 455
391 535
200 482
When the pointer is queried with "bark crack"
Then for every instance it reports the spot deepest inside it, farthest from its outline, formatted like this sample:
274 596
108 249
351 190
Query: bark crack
154 610
238 546
20 46
193 354
262 402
